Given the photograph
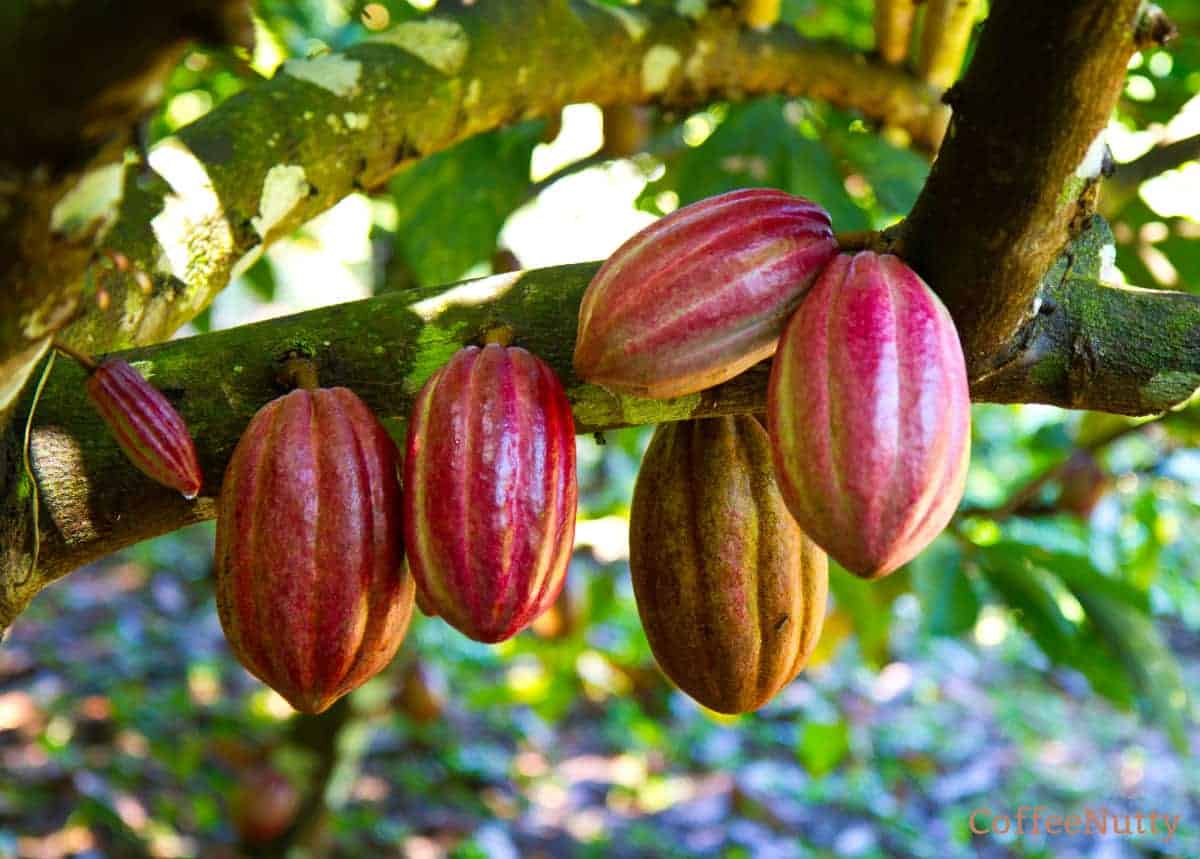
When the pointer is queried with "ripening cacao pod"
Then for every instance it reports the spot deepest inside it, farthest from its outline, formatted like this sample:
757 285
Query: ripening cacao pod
421 695
146 426
490 491
264 804
702 294
730 591
869 414
1083 482
310 587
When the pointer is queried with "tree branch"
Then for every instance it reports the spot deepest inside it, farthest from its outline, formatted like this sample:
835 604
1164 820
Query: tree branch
1105 348
1010 183
945 35
285 150
1130 175
63 130
893 29
384 348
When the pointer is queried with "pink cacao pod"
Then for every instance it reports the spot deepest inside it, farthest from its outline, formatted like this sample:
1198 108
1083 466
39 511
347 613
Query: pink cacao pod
490 491
146 426
730 591
702 294
869 414
310 586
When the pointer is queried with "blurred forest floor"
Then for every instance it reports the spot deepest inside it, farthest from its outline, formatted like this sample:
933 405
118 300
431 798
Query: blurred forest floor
124 721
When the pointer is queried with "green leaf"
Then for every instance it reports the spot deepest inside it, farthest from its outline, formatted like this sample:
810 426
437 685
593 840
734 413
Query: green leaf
867 605
758 146
948 600
260 279
823 746
896 174
1147 660
452 205
1028 593
1117 646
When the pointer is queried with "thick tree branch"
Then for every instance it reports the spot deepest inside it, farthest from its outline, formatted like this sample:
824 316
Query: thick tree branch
384 348
1106 348
287 149
1008 187
85 72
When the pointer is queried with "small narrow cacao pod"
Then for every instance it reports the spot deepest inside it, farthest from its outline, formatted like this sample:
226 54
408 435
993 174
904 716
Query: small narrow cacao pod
702 294
730 591
490 491
146 426
310 586
869 414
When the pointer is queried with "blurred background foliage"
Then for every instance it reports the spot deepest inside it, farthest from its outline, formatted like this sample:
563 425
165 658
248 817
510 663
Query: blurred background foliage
1043 651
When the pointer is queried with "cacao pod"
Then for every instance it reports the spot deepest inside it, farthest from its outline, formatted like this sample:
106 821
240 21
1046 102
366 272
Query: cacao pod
702 294
730 591
1083 482
310 586
264 804
146 426
869 414
490 491
422 693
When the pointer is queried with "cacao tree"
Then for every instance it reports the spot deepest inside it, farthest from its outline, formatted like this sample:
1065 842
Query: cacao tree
161 164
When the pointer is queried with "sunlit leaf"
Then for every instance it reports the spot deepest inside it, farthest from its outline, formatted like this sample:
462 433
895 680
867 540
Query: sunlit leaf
451 206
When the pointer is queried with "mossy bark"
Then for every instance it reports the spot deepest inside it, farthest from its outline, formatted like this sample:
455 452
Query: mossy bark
1010 184
344 122
384 348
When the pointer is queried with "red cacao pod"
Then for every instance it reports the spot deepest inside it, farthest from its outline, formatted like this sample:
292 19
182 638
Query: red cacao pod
1083 482
264 804
490 491
310 586
730 591
146 426
869 414
702 294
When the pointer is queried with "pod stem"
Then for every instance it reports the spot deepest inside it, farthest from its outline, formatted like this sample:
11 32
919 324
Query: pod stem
857 241
300 372
501 335
81 358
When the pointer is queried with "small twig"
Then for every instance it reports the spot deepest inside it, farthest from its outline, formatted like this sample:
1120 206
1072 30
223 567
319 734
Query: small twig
1024 496
1131 174
501 335
35 498
82 359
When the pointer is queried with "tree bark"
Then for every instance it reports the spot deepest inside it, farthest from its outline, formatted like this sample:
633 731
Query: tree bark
285 150
94 502
1007 190
63 131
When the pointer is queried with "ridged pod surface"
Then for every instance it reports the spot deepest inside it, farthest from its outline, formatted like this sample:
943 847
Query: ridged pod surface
490 491
730 591
869 414
702 294
146 426
310 587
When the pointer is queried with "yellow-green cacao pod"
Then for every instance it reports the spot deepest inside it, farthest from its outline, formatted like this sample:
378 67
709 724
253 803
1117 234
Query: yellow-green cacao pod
730 591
